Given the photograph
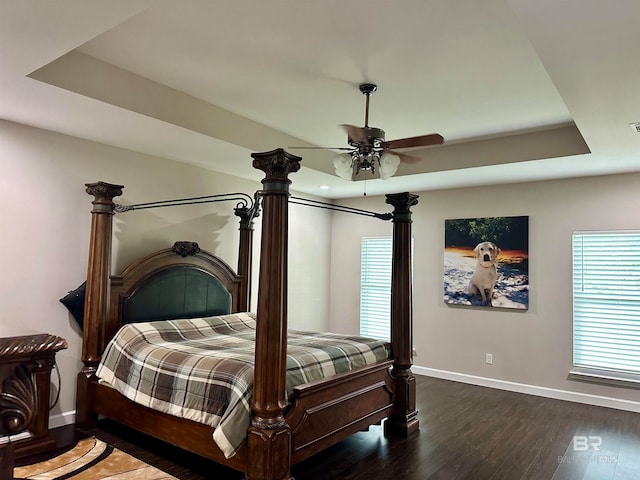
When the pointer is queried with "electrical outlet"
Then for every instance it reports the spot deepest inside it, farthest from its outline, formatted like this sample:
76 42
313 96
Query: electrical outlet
488 358
414 352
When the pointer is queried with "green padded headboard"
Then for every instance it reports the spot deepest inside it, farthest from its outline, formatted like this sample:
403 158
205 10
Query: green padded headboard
179 282
177 292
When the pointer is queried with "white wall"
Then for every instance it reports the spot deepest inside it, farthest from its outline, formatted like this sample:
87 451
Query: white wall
531 347
45 220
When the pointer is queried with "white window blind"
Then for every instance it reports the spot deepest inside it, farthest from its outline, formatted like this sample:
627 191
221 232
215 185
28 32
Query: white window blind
375 287
606 303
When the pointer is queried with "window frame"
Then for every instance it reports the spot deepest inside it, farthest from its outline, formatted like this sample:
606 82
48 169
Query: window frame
598 275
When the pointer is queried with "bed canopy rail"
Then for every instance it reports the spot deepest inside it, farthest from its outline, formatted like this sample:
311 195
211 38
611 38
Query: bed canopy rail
244 201
339 208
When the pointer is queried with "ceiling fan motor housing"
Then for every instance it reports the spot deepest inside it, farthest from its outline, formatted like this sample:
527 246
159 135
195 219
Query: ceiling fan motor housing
368 88
374 135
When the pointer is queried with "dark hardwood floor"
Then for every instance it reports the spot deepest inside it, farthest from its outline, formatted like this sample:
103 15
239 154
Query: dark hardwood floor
466 432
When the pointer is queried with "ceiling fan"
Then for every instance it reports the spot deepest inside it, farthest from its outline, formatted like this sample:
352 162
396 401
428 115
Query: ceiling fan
369 150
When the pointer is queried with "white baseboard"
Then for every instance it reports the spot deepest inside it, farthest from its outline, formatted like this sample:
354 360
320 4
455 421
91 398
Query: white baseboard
586 398
62 419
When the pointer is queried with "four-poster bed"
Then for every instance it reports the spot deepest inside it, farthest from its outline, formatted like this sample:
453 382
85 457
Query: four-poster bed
282 431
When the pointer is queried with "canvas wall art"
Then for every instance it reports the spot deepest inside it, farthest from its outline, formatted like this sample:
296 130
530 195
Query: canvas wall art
486 262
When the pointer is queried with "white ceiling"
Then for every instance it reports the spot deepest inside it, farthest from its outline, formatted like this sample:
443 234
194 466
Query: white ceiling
521 90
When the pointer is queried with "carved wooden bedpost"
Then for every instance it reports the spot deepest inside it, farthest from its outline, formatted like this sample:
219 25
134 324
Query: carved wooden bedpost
245 251
269 437
97 290
405 417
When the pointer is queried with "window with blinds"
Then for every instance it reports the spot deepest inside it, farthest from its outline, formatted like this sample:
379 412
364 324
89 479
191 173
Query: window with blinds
375 287
606 305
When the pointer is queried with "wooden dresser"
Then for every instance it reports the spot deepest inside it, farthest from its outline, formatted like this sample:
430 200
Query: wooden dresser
25 378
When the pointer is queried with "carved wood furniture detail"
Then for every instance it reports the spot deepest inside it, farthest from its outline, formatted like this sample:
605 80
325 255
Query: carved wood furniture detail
25 375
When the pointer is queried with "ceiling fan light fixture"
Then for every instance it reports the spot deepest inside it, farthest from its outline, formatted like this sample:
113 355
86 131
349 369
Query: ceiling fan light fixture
388 165
343 165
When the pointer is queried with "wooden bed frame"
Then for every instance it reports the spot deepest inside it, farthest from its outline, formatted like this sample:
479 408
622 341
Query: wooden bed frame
282 433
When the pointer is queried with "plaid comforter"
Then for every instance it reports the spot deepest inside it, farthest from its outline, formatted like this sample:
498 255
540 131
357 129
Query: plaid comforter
202 369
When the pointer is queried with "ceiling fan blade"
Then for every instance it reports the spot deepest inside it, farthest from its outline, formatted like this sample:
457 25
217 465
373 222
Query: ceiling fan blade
420 141
357 134
322 148
405 158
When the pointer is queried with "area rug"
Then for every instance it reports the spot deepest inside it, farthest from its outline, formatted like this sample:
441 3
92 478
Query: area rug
91 459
